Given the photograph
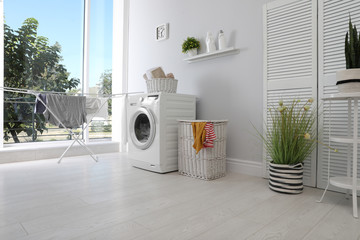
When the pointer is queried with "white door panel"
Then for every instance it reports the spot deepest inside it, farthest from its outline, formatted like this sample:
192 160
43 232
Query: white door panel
290 60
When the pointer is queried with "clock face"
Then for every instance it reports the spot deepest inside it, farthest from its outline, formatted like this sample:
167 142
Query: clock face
162 32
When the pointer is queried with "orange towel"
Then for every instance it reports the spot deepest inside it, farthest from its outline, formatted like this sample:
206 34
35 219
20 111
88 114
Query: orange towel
199 135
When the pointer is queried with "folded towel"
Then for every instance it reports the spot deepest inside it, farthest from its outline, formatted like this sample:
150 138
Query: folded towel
170 75
157 72
209 136
199 135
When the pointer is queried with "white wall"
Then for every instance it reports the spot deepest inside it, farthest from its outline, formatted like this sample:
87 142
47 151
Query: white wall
228 87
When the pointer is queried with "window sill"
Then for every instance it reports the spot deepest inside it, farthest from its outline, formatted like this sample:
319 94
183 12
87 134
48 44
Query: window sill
45 150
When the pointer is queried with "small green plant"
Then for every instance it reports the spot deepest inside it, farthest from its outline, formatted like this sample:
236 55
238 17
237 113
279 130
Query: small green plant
286 138
190 43
352 47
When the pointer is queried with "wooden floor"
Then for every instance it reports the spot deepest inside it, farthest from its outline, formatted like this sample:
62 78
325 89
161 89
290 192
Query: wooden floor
81 199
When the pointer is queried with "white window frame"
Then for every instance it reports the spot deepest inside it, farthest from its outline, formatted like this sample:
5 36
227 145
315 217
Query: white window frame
120 70
86 55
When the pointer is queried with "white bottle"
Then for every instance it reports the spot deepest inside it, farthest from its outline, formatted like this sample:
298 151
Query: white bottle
222 41
210 43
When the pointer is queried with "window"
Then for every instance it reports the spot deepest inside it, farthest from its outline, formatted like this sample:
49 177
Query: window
44 50
100 70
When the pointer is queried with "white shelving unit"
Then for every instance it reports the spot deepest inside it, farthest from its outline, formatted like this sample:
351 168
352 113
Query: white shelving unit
211 55
350 182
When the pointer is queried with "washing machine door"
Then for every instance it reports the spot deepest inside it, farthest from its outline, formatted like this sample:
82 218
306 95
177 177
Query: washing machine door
142 128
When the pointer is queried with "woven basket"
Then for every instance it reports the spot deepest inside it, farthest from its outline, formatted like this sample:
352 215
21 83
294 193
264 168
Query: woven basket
209 163
168 85
285 178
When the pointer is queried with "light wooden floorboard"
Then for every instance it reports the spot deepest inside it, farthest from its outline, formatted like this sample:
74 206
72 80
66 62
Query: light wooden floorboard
337 224
81 199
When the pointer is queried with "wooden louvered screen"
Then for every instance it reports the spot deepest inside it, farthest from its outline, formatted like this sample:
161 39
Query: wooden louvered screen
290 59
333 25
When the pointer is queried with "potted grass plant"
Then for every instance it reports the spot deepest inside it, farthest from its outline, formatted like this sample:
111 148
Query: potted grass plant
348 80
289 138
191 46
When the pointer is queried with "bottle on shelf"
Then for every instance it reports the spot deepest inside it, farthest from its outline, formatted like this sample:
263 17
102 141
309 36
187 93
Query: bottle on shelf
210 43
221 40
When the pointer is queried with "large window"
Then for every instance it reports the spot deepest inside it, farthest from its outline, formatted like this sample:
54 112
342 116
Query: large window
44 50
100 68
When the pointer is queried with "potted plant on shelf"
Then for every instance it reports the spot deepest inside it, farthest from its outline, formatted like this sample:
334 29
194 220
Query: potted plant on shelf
190 46
348 80
289 139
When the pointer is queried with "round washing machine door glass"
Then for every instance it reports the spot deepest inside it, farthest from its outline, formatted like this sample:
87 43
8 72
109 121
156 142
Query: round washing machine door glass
142 128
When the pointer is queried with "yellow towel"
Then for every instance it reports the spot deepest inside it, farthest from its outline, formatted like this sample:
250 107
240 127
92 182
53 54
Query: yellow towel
199 135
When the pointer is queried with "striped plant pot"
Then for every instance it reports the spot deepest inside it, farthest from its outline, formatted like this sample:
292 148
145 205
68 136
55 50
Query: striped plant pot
286 178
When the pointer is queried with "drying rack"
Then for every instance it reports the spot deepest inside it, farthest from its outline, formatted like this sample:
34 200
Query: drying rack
69 130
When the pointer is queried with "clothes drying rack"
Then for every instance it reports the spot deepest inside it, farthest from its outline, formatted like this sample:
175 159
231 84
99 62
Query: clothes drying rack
69 130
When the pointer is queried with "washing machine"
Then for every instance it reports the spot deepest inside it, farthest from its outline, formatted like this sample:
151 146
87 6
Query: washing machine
153 129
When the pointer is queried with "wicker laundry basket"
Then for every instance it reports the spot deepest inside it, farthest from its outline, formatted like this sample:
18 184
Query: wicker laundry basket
168 85
209 163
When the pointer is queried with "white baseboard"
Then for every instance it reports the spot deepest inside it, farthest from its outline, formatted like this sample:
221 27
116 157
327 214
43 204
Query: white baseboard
247 167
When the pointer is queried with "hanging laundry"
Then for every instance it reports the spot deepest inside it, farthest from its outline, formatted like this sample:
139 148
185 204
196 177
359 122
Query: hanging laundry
39 106
209 136
69 110
93 105
199 134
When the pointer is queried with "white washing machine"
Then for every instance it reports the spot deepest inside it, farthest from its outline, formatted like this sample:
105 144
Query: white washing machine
153 129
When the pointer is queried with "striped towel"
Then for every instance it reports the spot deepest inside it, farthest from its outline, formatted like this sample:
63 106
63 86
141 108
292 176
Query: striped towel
210 135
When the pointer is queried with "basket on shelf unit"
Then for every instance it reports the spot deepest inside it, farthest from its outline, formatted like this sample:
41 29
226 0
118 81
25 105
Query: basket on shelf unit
209 163
168 85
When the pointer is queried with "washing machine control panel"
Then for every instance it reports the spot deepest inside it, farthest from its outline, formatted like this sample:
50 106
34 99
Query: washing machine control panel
149 100
155 97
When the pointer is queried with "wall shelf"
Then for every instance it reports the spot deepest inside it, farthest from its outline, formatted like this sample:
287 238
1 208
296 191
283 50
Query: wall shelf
216 54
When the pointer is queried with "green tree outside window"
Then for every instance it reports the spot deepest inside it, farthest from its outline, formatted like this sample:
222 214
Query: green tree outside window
30 62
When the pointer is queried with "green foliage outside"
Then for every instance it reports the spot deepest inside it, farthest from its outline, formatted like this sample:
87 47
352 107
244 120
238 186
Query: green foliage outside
30 63
189 44
106 87
99 126
291 135
352 47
